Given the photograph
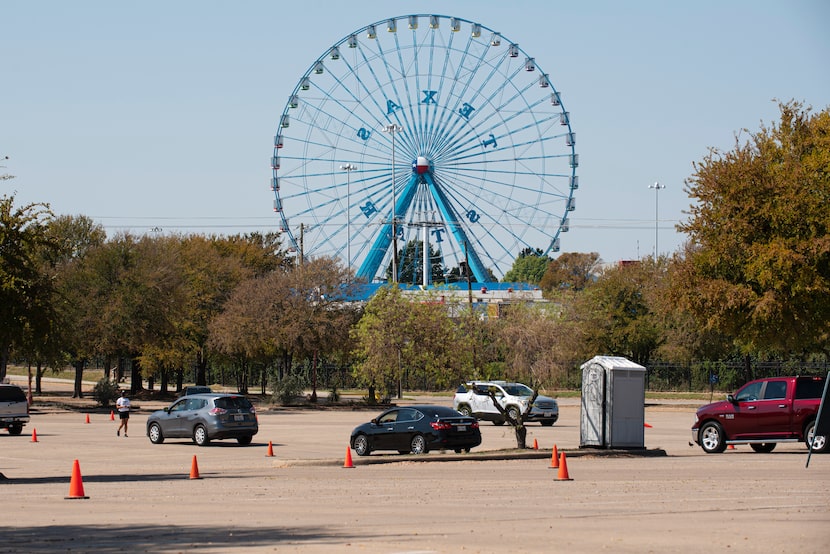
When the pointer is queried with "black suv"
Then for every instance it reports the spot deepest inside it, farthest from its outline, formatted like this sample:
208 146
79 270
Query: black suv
14 409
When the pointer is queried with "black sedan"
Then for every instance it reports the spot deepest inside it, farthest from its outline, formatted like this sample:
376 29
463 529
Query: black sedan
417 430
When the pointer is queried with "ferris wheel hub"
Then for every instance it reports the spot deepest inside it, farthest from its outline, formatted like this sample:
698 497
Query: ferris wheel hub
421 165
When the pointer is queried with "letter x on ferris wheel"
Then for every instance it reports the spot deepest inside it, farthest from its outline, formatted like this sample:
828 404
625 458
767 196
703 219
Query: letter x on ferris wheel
424 129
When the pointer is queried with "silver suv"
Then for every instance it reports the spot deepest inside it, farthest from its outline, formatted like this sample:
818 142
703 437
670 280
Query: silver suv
473 399
14 409
203 418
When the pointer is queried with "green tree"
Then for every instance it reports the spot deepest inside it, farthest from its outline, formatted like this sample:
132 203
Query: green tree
616 314
529 267
402 336
74 333
24 292
757 268
411 260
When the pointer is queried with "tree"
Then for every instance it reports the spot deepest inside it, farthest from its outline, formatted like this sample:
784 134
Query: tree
23 288
402 336
212 269
529 267
294 314
411 264
73 333
528 334
571 270
616 314
757 268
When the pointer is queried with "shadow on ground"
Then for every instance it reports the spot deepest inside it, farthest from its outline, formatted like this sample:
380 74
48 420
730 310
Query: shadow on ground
162 538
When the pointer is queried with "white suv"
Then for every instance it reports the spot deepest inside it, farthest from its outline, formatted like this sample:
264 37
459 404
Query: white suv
473 399
14 409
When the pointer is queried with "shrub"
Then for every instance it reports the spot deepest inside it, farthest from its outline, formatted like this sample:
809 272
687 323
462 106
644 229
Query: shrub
105 392
289 388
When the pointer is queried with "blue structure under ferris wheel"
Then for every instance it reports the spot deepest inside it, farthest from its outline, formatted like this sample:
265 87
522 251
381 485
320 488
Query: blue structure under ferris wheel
430 132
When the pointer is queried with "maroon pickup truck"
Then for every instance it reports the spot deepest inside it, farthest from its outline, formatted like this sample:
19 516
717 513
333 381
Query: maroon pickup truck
761 414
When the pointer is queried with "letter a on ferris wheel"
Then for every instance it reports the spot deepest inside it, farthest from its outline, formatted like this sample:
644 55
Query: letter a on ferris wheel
424 130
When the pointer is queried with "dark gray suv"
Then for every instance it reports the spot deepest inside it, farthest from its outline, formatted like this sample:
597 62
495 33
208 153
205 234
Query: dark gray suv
203 418
14 409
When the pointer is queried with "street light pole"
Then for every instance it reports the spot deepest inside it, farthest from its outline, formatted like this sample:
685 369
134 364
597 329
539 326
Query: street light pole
348 168
656 186
393 130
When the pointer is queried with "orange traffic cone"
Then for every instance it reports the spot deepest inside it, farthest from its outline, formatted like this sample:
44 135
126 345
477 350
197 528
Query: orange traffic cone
647 425
270 453
76 485
554 459
112 415
194 469
535 445
34 435
348 462
563 469
87 418
731 447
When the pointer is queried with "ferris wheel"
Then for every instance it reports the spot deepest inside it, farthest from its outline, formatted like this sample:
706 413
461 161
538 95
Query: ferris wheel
424 132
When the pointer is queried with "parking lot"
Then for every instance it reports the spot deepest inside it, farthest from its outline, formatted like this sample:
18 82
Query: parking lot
302 499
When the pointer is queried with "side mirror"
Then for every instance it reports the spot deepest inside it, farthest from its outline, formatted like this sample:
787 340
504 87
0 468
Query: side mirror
374 421
731 399
167 409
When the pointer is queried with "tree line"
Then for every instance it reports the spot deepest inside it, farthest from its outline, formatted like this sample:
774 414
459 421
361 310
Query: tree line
751 285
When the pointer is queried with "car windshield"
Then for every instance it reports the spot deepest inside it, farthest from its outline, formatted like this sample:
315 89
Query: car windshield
517 389
233 403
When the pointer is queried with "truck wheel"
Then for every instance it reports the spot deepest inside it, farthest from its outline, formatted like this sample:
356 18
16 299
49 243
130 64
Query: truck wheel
711 438
498 422
15 429
819 442
764 447
465 410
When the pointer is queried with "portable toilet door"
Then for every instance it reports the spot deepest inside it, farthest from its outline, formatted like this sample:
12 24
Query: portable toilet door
625 404
592 413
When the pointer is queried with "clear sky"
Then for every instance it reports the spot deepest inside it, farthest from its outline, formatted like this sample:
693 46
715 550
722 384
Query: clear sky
159 116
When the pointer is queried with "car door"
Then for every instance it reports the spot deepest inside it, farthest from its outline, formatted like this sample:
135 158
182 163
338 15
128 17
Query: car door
384 431
482 403
773 412
405 428
756 416
172 422
192 415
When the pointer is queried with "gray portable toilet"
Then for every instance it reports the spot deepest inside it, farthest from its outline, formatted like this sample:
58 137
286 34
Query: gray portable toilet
612 411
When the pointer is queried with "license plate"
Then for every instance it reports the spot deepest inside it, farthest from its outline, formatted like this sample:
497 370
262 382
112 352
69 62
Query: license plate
548 414
462 427
238 417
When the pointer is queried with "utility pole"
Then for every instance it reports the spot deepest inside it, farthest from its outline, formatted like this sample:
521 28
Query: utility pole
393 129
657 187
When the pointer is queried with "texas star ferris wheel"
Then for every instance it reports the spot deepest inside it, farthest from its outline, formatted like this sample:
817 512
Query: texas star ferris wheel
424 130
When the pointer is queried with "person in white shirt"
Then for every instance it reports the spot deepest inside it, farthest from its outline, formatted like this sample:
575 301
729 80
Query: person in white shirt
123 405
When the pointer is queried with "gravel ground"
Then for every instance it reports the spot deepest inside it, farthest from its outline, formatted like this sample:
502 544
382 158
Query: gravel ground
496 499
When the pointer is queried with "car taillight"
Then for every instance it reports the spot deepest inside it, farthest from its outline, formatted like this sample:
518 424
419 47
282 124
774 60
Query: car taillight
440 425
474 425
218 411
